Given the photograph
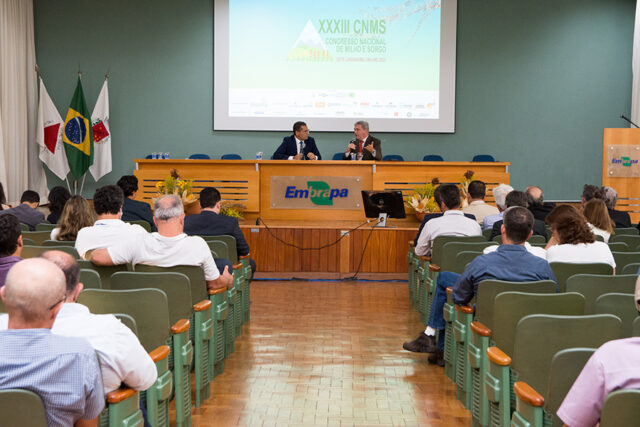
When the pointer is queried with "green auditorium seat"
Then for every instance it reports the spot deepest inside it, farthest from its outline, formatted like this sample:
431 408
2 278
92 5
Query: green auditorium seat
90 279
37 236
59 243
142 223
621 305
619 247
623 259
564 270
22 408
626 230
105 272
631 240
44 226
36 251
631 268
621 408
591 286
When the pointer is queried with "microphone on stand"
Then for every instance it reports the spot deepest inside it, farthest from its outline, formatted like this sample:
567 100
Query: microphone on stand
622 116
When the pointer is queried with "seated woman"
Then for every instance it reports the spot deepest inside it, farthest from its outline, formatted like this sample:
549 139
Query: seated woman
77 214
58 196
599 222
573 241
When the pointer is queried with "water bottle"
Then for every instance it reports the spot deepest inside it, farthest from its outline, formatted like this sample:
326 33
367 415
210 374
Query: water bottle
259 155
166 156
154 155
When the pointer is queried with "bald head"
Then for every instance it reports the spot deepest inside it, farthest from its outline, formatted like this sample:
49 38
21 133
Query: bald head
535 195
31 293
68 265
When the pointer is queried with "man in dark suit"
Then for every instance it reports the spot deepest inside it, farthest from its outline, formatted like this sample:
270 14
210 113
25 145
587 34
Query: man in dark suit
519 198
134 210
299 146
364 146
538 207
621 218
210 223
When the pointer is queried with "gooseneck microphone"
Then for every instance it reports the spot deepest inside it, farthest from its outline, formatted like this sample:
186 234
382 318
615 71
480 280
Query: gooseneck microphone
622 116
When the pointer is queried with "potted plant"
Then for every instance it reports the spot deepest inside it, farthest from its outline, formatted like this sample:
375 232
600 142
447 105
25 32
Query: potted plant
422 200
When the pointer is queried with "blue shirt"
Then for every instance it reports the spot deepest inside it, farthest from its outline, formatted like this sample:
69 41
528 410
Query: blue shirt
512 263
63 371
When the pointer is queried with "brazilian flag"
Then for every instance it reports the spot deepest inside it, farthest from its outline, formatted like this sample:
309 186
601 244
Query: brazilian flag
77 135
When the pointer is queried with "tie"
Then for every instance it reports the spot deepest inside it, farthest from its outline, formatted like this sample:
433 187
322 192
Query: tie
360 146
301 149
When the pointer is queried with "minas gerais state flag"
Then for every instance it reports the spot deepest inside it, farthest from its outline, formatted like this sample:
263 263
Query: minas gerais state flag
77 134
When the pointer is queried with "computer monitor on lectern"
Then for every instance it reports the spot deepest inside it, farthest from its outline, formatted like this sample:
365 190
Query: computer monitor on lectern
383 205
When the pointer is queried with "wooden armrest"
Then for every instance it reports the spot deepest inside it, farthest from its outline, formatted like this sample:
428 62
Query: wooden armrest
123 393
480 329
202 305
449 289
498 357
244 256
425 258
433 267
237 266
180 326
466 309
160 353
216 291
526 393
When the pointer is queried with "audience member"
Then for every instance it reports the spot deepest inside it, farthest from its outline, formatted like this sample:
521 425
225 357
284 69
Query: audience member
518 198
511 262
26 211
538 207
63 371
134 210
500 196
620 218
3 199
591 192
210 222
122 358
109 229
166 248
573 241
76 215
58 196
10 244
598 219
451 223
477 207
612 367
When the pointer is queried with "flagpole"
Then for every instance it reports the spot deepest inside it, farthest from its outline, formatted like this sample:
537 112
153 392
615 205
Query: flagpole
68 187
75 186
82 186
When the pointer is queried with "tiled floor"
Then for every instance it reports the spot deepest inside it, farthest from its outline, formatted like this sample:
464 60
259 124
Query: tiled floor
330 353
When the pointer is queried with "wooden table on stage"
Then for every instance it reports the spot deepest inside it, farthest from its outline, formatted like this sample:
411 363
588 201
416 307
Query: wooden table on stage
249 182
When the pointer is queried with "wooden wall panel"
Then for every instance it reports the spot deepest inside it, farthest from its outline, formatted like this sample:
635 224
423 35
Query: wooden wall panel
628 188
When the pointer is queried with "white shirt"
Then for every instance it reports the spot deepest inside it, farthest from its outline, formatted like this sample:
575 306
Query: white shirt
105 233
480 210
452 223
54 233
581 253
599 232
298 141
161 251
122 357
534 250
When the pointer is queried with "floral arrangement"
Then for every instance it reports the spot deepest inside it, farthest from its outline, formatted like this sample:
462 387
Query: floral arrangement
174 185
464 184
229 208
422 200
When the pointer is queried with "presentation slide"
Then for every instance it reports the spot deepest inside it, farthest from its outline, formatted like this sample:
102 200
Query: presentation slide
331 63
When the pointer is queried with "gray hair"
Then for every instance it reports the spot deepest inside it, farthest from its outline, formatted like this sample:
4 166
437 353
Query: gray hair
167 207
363 124
610 197
500 195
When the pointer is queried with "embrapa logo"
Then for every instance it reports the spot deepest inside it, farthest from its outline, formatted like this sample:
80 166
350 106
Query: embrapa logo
626 161
319 192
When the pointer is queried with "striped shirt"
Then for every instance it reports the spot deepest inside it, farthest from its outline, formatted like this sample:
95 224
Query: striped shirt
63 371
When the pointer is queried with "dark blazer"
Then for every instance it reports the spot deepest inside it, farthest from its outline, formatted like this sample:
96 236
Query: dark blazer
431 216
209 223
288 148
621 218
54 217
366 155
538 228
541 211
135 210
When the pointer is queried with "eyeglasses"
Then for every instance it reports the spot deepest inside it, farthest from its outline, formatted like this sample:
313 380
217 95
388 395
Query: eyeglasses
64 297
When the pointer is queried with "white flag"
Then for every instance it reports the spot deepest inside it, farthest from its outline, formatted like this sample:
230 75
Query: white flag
49 135
101 135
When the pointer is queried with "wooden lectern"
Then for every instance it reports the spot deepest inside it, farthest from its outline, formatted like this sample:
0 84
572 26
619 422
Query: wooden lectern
621 168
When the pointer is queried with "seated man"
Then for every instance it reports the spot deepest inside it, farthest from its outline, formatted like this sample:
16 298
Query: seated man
621 218
10 244
63 371
299 146
132 209
538 207
166 248
477 206
210 223
109 229
612 367
122 357
499 195
511 262
518 198
451 223
591 192
27 212
364 146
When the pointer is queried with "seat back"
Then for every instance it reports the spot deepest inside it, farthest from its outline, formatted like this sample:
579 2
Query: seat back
564 270
630 269
141 223
535 239
71 243
540 336
199 156
622 259
451 249
175 285
36 251
22 408
621 408
621 305
626 230
635 329
439 242
632 240
45 226
591 286
127 321
105 272
231 156
149 308
393 158
90 279
337 156
220 249
618 247
28 242
432 158
510 307
463 259
483 158
489 289
37 236
195 274
24 227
